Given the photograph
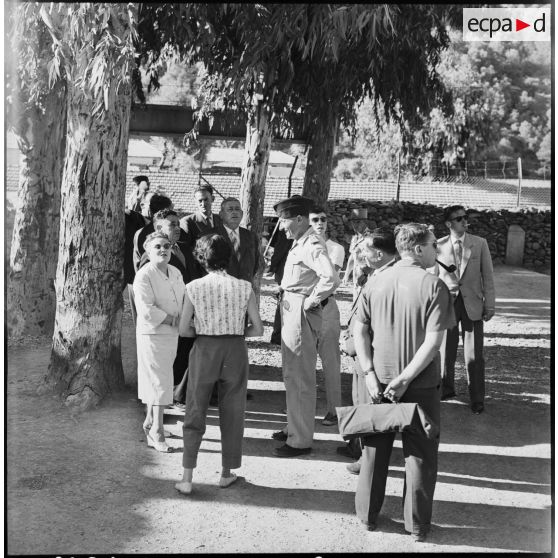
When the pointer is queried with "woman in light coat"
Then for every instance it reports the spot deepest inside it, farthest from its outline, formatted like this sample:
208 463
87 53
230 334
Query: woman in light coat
159 294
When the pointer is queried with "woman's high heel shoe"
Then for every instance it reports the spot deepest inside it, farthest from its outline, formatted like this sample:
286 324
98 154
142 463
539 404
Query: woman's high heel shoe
159 446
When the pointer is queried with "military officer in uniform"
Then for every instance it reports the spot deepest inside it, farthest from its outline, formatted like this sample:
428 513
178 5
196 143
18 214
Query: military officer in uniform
308 280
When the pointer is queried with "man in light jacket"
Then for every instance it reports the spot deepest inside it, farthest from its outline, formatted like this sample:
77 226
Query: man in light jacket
472 288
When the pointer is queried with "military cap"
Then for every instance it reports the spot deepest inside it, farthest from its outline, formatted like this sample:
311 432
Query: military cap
295 205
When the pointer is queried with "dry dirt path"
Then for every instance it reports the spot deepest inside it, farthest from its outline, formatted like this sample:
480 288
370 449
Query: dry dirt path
88 484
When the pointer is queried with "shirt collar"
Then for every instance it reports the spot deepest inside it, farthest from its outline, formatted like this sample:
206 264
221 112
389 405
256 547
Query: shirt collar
407 262
454 238
208 219
384 266
308 232
229 230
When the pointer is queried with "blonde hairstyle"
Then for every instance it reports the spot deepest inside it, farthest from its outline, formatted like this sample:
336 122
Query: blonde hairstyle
409 235
154 236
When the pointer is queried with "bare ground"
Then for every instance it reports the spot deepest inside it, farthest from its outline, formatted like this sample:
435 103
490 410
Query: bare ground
88 483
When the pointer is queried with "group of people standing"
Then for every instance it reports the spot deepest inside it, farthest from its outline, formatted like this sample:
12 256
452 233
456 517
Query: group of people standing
412 295
194 305
403 330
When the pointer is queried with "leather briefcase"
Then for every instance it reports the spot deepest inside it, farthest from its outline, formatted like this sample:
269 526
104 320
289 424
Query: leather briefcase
370 419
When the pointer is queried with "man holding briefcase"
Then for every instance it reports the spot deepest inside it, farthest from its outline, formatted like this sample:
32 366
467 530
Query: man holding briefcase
407 310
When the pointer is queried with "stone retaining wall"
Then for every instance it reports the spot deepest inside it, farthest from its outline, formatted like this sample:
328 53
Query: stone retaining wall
490 224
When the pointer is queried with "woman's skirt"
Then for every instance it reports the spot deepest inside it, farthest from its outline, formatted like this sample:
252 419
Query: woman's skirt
156 354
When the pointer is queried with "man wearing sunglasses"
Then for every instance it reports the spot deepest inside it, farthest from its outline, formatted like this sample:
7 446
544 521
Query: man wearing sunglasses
328 344
472 288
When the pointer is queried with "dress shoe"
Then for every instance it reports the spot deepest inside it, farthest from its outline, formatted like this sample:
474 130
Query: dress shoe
178 406
420 536
227 481
354 468
289 451
330 420
345 451
369 526
159 446
349 450
448 396
280 436
477 408
146 429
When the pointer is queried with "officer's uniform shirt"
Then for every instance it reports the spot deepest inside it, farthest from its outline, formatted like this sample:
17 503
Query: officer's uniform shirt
308 269
336 252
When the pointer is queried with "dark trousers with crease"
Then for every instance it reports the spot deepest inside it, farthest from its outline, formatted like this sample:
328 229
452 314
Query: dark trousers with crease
472 333
180 365
222 360
421 467
276 333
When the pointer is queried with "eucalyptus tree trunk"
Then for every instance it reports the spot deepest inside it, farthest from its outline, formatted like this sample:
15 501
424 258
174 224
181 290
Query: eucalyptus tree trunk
85 363
31 299
317 179
254 173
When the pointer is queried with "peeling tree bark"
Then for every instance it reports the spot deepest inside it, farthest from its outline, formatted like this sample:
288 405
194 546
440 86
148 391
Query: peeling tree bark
317 179
31 297
85 362
254 173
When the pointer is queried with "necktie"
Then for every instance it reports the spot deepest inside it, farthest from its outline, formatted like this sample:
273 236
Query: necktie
178 253
458 255
235 242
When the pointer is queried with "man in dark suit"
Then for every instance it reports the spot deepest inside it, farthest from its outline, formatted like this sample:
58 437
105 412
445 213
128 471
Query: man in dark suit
472 288
203 221
281 246
134 221
151 205
245 257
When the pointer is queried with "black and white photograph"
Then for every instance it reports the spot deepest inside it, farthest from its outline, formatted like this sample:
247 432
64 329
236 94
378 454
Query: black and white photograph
277 278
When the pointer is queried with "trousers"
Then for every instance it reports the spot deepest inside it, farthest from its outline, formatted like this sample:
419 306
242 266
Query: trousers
276 332
300 332
421 467
472 333
328 349
221 360
180 365
360 393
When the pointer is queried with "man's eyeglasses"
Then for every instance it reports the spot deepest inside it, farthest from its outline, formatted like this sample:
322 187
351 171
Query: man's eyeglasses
459 219
318 219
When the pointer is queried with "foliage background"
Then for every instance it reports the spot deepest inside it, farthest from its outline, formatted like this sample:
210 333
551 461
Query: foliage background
501 99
